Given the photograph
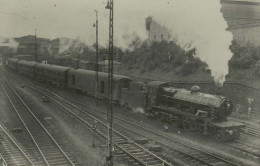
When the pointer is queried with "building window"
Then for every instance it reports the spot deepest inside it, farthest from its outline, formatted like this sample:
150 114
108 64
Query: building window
161 36
102 87
154 37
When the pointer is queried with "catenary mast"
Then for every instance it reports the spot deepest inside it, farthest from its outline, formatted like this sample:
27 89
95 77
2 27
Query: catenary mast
110 6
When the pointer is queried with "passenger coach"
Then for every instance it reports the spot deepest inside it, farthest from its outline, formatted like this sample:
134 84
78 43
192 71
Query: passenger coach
52 73
85 81
12 63
26 68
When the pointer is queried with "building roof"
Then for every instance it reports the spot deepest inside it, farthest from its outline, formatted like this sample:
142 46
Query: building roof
243 2
31 39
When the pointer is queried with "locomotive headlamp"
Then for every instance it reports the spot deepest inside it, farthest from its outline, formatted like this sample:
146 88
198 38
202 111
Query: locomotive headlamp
230 132
228 103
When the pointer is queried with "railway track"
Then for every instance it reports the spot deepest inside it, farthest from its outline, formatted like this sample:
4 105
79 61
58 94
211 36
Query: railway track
125 148
10 152
37 136
185 152
194 155
249 149
252 131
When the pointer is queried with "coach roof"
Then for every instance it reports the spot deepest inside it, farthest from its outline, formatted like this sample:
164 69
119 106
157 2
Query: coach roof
12 60
27 63
116 77
52 67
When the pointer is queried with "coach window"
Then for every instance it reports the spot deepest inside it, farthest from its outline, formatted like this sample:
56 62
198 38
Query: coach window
126 84
73 79
102 87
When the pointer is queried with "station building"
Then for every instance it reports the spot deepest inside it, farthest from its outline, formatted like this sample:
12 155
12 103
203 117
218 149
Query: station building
26 45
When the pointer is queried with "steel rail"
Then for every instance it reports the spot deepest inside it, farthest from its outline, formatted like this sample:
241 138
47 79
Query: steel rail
13 141
241 146
3 162
252 131
24 124
38 121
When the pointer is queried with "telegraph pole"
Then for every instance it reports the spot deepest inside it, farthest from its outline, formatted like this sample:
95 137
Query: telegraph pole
110 6
35 51
96 25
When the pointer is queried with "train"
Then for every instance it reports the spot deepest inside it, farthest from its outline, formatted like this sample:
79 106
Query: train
189 109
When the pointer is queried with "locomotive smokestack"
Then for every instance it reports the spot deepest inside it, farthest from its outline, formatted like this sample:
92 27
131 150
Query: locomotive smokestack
195 88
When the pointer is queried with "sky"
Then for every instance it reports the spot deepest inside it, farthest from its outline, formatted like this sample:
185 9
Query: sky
198 23
68 18
51 18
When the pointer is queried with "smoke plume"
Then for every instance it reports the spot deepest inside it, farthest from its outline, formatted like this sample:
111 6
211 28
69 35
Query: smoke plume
67 44
138 110
8 42
203 25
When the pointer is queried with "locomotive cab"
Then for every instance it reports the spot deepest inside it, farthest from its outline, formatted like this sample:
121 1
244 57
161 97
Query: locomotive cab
153 93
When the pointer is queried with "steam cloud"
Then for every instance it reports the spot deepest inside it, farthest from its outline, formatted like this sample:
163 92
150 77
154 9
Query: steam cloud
67 46
203 24
8 42
138 110
71 44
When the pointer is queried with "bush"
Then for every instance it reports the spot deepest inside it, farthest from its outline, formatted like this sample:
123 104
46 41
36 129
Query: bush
244 57
164 55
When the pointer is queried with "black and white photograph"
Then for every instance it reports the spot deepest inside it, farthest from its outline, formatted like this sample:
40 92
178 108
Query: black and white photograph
129 82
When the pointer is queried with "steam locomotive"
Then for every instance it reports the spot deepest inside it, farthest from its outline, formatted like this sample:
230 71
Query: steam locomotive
193 110
190 109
